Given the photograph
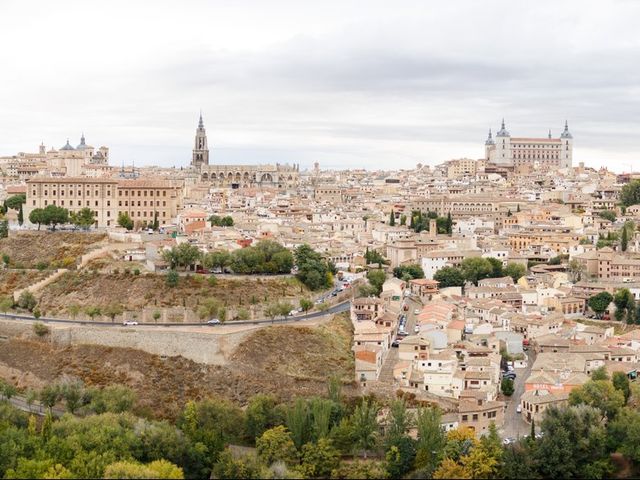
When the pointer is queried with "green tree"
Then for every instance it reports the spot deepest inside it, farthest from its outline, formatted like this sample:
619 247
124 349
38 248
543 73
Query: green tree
276 445
182 255
261 414
506 386
403 219
93 311
124 220
600 302
376 279
131 469
54 215
229 467
365 425
600 373
27 301
620 382
392 218
4 228
431 439
625 305
113 310
630 193
72 394
37 217
83 218
6 304
399 456
156 316
599 394
306 304
449 277
515 271
172 278
497 269
399 420
20 216
475 268
218 259
624 241
319 459
412 271
312 268
16 201
608 215
50 395
112 398
298 420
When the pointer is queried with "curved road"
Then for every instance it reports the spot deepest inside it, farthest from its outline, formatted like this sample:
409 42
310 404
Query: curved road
338 308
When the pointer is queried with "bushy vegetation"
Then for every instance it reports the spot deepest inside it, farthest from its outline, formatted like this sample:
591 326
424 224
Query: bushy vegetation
102 437
313 270
408 272
475 269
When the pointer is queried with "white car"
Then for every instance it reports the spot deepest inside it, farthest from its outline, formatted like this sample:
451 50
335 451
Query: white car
213 321
416 311
416 329
519 409
127 323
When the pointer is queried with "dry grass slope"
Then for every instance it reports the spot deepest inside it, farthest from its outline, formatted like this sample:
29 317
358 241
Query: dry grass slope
27 249
284 361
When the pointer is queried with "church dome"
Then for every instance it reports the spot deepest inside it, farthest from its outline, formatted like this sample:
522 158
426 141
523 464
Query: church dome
67 146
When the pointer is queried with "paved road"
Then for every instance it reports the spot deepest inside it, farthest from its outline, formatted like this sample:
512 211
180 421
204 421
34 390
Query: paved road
514 425
36 408
338 308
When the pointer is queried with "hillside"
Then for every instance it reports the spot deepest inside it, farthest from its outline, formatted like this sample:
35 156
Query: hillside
52 249
137 291
286 361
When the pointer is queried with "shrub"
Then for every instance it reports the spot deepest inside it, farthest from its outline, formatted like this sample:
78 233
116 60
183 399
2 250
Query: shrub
42 266
40 329
136 271
27 300
173 278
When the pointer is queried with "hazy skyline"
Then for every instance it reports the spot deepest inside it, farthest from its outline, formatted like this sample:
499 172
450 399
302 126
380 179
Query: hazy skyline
347 84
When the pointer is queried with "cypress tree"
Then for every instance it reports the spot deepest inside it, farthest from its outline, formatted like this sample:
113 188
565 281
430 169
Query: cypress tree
21 217
392 219
624 240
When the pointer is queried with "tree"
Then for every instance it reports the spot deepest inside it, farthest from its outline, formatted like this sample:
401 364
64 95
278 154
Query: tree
625 305
27 301
6 304
306 304
431 439
475 268
54 215
276 445
218 259
599 394
113 398
93 311
15 202
412 271
403 219
20 216
376 279
49 396
72 393
608 215
124 220
37 217
496 268
312 268
83 218
365 425
298 422
399 456
575 269
624 241
131 469
182 255
318 460
451 469
506 386
600 373
600 302
449 277
40 329
261 415
623 433
156 316
4 228
172 278
392 218
399 420
449 223
229 467
113 310
515 271
620 382
73 310
630 193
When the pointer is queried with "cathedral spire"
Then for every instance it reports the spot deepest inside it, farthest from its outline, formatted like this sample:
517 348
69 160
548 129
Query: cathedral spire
200 122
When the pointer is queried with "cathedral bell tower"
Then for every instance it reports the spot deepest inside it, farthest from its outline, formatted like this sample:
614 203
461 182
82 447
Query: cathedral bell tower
200 150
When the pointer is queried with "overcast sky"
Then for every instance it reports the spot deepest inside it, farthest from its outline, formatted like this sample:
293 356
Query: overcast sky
348 84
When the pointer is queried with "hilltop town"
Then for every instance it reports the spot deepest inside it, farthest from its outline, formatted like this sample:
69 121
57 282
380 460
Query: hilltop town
491 287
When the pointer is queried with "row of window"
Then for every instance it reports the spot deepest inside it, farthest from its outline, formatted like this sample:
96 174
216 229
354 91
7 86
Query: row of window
126 193
144 203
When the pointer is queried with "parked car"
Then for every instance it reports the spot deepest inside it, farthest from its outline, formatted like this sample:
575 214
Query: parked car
511 375
292 313
395 344
416 311
416 329
213 321
127 323
519 409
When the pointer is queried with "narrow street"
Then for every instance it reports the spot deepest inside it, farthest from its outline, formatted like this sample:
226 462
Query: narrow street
514 425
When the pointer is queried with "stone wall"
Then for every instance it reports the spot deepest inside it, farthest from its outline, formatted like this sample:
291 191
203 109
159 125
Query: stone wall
202 347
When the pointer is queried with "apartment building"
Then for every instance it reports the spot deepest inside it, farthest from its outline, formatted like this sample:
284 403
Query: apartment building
143 199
